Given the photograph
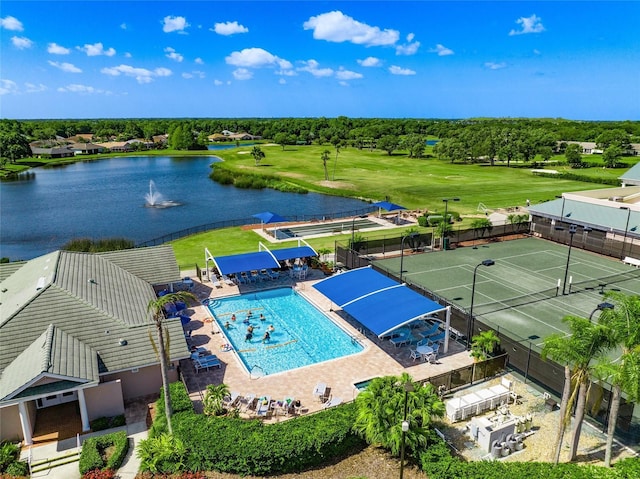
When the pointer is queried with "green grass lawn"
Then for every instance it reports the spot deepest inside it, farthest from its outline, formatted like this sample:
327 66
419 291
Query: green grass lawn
414 183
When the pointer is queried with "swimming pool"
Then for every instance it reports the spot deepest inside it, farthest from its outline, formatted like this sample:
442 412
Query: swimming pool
302 335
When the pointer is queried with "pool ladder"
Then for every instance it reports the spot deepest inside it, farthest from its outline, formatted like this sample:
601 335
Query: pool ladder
255 366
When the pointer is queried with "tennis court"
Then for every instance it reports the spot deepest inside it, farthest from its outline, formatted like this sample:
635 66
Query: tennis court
326 228
519 294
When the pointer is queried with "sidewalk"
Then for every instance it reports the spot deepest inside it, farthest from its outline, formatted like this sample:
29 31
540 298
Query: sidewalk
136 432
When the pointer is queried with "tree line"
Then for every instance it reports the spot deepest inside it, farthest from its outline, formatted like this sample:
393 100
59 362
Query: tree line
466 140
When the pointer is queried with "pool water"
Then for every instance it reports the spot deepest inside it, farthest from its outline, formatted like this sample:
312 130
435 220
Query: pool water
302 335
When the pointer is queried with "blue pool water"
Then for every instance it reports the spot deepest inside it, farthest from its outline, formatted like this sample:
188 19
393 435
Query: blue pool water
302 334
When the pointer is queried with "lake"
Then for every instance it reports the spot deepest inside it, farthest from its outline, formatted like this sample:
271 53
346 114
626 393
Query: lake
106 198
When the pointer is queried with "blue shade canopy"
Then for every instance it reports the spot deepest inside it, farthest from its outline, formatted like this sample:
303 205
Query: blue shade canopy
269 217
385 205
345 287
245 262
375 301
295 252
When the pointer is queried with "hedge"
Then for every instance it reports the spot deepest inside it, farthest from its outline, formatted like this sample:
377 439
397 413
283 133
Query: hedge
91 457
579 177
180 401
437 463
246 447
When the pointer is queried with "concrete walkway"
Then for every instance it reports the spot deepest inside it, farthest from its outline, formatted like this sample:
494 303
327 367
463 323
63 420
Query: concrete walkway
136 432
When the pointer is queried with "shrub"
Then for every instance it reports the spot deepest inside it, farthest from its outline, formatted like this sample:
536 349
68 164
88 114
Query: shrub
628 468
422 221
180 401
163 453
249 447
100 424
17 469
9 453
93 449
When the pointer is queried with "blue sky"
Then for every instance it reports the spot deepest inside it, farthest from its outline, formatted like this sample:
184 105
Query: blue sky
421 59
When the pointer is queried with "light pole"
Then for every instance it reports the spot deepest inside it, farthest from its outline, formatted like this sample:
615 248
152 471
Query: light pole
626 228
445 223
601 307
408 388
486 262
410 235
572 231
353 236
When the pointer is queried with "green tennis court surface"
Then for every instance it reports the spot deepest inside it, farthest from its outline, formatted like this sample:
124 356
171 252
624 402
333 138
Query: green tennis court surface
518 293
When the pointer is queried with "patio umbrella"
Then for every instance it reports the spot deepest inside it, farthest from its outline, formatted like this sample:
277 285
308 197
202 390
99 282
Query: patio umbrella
268 217
386 205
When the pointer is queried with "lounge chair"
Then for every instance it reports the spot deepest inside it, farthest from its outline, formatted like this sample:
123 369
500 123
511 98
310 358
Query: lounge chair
273 274
437 338
217 284
320 391
232 400
401 340
248 402
431 331
264 404
332 402
242 279
227 281
206 362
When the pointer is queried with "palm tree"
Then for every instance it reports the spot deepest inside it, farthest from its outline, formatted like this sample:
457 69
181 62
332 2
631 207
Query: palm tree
380 412
623 373
214 398
156 307
483 344
585 342
257 154
325 158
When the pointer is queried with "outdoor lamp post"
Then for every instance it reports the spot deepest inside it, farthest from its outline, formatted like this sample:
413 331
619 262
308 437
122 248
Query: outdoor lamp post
408 388
410 235
572 231
353 237
601 307
486 262
446 220
626 228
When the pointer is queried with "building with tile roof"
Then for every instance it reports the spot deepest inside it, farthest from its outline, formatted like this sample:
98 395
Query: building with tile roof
75 327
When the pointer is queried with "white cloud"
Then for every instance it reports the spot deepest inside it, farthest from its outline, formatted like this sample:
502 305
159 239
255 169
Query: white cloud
217 82
256 58
33 88
312 66
173 55
242 74
396 70
495 66
337 27
370 62
82 89
441 50
229 28
127 55
142 75
343 74
199 61
11 23
65 67
343 83
21 42
8 86
537 52
282 81
409 48
56 49
96 49
193 74
123 26
174 24
532 24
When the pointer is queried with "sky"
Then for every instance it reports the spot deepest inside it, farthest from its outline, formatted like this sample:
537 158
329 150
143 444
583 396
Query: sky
391 59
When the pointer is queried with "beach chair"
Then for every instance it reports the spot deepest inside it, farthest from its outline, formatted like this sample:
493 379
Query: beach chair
273 274
227 281
320 391
415 355
332 402
401 340
431 331
217 283
232 400
437 338
206 362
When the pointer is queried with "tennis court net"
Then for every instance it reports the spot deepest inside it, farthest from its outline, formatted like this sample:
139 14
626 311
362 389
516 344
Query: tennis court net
601 283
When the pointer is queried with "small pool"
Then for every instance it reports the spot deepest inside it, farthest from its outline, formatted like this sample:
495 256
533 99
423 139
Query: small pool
302 335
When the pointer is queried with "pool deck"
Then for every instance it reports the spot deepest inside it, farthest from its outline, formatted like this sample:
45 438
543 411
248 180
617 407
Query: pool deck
380 358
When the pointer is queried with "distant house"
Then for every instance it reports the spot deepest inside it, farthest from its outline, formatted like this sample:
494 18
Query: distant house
51 152
116 146
588 147
160 139
74 327
81 137
86 148
146 143
218 137
243 137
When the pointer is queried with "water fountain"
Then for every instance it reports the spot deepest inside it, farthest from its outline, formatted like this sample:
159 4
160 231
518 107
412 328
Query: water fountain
155 199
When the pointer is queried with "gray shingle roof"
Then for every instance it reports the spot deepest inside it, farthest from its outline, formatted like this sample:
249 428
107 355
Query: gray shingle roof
155 264
632 175
90 298
54 354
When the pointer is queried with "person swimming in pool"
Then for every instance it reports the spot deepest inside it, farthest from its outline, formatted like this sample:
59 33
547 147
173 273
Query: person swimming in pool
248 337
227 325
262 318
271 329
233 317
250 329
266 337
